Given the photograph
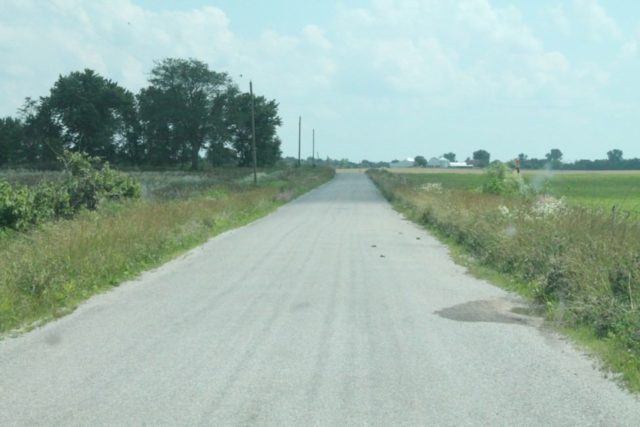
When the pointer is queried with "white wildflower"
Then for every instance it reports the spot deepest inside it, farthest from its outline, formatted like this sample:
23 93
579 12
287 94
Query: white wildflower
546 206
432 187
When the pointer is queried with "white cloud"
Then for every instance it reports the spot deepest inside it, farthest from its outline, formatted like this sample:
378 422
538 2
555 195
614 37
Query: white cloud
453 50
558 17
416 65
601 25
316 37
629 49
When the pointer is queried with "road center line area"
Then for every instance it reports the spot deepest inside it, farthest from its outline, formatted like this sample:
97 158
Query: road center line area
334 310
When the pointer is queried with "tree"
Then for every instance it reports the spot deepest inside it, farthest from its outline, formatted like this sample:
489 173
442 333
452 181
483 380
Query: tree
450 156
481 158
420 161
178 110
161 141
42 142
238 120
11 135
614 155
555 155
93 114
220 150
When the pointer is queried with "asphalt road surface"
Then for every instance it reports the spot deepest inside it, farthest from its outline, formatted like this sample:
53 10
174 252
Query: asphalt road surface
332 311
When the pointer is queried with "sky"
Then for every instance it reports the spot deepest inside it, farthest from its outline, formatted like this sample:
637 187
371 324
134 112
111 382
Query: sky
377 79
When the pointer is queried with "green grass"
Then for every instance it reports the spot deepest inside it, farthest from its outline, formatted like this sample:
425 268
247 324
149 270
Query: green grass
602 190
449 181
580 265
599 190
47 272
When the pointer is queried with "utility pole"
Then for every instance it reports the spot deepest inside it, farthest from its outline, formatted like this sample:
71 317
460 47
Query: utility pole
253 136
299 137
313 146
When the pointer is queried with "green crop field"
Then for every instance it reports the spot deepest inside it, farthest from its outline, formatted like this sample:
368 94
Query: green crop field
601 189
590 189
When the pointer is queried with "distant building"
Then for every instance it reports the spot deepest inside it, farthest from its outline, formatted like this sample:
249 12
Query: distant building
409 162
436 162
459 165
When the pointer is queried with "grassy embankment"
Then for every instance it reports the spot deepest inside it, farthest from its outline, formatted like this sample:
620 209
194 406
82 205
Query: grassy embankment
580 262
46 272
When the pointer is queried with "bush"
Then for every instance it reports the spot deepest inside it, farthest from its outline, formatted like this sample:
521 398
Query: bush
501 180
16 206
87 182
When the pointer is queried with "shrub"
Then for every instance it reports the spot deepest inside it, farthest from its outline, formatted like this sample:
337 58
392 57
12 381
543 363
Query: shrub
501 180
16 206
87 182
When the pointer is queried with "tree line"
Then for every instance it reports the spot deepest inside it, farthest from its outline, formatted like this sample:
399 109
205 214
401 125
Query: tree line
552 159
186 114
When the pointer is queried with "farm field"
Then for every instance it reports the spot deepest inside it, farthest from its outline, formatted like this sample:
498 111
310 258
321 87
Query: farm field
594 189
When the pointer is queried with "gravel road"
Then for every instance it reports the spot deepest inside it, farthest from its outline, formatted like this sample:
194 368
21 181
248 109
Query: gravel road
332 311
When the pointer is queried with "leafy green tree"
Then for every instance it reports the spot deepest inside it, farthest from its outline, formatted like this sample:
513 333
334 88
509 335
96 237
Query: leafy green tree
450 156
614 155
11 135
178 111
481 158
42 143
162 142
420 161
220 149
94 114
554 157
239 128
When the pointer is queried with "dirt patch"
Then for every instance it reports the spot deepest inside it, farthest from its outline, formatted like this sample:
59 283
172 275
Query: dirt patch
495 311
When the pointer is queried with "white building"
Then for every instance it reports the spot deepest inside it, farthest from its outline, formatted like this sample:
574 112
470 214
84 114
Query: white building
459 165
436 162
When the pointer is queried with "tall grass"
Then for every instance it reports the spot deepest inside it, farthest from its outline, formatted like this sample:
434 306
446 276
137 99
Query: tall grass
48 271
581 264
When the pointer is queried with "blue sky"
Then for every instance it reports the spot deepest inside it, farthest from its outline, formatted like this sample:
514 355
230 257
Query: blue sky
377 79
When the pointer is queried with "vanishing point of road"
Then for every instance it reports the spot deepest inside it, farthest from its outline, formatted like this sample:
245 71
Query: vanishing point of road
332 311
